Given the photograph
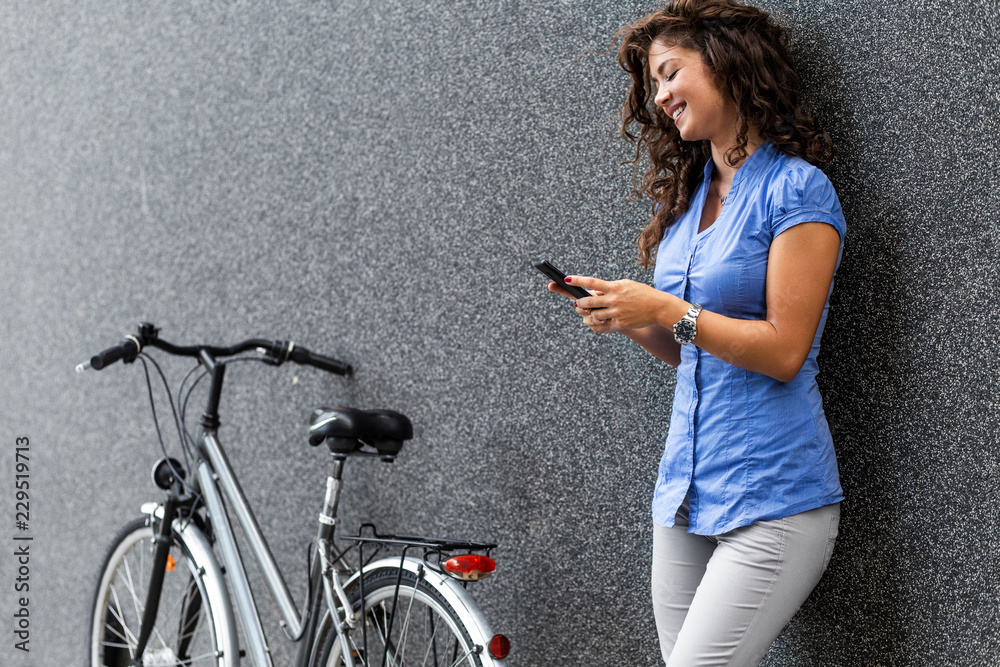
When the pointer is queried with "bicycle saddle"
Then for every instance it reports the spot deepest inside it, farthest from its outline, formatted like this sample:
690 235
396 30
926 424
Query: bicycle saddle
347 430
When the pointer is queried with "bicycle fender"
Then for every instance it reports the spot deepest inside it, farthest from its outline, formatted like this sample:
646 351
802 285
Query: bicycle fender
453 592
215 588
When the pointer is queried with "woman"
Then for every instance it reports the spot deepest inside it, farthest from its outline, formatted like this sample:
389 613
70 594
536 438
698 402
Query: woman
746 234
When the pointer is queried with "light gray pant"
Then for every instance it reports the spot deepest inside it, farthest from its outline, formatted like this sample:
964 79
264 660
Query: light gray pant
722 600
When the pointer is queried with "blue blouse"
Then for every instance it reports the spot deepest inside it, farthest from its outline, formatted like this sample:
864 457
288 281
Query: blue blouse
743 446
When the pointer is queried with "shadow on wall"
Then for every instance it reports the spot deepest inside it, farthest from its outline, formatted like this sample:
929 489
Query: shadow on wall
856 616
860 599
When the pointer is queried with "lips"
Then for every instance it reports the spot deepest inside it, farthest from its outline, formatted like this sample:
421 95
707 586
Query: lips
675 110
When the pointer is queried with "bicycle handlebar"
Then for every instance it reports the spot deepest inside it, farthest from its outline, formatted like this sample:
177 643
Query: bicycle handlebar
276 352
300 355
127 349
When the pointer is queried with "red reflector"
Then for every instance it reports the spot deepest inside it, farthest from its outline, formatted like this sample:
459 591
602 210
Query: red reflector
499 646
470 567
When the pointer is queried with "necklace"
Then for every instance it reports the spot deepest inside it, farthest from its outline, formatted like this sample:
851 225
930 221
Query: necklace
718 191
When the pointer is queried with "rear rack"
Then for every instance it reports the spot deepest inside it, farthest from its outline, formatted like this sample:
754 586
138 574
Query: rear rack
435 550
368 534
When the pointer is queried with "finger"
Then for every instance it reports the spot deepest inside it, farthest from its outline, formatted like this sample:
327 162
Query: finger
588 282
596 318
558 289
588 303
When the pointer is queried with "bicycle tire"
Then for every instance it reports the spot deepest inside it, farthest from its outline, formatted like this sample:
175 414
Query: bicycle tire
425 631
187 628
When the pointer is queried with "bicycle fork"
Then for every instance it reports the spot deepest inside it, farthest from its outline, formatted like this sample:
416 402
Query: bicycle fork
162 539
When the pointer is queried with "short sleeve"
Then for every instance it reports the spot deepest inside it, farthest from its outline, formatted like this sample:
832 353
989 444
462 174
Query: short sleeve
805 194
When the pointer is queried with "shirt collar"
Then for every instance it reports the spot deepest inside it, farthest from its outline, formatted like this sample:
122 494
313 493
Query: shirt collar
756 160
759 158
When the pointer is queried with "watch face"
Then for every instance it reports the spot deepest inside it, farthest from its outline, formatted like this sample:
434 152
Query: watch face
684 331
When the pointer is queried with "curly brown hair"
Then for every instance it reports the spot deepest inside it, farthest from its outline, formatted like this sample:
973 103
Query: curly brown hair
748 53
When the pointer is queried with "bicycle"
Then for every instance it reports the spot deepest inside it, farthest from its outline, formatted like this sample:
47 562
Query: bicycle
163 594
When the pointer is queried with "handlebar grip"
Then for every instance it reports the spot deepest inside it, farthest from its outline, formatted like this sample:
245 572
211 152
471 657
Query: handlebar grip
127 349
300 355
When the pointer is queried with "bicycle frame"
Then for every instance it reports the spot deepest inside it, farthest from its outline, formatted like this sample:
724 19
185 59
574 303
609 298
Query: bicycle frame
217 483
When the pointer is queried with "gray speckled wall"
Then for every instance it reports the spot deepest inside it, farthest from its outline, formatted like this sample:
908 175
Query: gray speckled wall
372 179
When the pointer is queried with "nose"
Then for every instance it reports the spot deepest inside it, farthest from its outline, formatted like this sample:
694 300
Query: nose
661 97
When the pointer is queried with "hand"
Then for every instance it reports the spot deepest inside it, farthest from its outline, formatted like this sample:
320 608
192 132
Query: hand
621 304
595 317
598 325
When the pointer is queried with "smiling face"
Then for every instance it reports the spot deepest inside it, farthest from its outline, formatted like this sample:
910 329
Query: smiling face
686 92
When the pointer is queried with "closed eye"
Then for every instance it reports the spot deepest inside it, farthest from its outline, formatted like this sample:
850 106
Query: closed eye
654 84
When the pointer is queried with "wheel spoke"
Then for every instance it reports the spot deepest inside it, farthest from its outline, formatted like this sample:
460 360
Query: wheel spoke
382 632
463 658
130 586
204 656
406 623
432 643
120 617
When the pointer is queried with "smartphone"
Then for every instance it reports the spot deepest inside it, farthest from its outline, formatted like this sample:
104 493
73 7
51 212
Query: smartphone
560 279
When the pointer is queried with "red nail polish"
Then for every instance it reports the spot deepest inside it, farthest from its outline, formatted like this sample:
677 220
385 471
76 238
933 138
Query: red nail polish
574 304
568 279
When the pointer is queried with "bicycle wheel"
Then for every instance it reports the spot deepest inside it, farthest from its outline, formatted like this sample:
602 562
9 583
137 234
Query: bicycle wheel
417 627
185 632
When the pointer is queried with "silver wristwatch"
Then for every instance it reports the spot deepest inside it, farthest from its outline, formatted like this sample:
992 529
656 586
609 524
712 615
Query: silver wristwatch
687 327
